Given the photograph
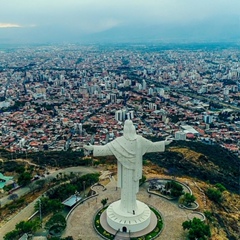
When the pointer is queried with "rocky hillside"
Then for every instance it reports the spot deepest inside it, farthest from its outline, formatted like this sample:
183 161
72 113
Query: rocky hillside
205 162
223 217
206 165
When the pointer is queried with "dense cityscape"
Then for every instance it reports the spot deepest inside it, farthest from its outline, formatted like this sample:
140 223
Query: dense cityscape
57 102
62 97
119 120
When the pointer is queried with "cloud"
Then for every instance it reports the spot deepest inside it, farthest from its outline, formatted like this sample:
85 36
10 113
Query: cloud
9 25
76 19
14 25
98 26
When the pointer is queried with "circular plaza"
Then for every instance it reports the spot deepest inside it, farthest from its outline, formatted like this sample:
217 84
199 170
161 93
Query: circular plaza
80 223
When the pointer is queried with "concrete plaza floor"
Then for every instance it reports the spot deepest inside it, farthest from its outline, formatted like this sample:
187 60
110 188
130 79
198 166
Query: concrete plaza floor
80 222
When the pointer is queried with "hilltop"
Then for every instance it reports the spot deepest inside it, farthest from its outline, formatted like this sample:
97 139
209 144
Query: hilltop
202 166
210 163
224 216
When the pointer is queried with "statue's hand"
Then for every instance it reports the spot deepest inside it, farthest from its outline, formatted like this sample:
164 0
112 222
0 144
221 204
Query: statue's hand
168 140
88 147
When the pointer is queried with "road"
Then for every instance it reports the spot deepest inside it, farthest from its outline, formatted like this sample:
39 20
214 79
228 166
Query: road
23 191
195 95
25 213
22 215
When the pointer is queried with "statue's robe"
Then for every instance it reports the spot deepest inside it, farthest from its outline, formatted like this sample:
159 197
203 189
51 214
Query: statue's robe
129 155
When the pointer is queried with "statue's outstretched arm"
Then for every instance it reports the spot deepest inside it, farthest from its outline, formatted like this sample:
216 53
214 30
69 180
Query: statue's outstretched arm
89 147
156 146
98 150
102 151
168 140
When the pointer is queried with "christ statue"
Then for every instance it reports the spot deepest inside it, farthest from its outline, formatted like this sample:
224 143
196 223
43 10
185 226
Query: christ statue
128 150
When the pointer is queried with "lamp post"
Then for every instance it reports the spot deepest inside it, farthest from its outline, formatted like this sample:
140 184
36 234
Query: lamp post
40 211
84 188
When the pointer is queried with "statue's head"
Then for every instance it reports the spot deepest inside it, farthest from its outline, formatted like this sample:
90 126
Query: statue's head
129 131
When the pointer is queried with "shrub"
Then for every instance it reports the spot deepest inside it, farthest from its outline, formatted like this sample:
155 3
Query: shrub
220 187
56 219
176 188
187 199
197 229
214 195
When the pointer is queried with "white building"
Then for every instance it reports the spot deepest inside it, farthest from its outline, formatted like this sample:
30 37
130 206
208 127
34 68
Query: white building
123 114
152 106
150 91
226 91
144 85
180 135
208 119
188 129
119 115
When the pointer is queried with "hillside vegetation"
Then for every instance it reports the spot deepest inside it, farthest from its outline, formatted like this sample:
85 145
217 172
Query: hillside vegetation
205 162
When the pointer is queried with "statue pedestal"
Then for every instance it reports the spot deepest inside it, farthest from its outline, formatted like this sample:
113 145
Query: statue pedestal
128 222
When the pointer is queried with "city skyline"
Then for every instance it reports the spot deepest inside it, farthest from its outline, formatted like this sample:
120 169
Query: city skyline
119 21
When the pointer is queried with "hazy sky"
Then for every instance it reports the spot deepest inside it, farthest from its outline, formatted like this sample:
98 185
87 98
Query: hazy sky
42 21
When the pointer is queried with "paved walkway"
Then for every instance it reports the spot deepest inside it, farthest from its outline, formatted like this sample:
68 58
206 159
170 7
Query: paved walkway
23 215
80 222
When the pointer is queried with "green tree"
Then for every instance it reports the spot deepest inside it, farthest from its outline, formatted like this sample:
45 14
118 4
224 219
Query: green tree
23 227
33 186
104 201
214 195
62 192
49 205
187 199
24 178
40 183
55 205
209 216
57 219
13 196
56 224
44 202
27 227
20 169
67 238
197 229
13 235
37 185
220 187
175 188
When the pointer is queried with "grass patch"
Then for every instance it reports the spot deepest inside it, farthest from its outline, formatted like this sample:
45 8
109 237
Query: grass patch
101 231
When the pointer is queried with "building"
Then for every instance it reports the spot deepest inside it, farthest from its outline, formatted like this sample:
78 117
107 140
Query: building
188 129
4 181
180 135
208 119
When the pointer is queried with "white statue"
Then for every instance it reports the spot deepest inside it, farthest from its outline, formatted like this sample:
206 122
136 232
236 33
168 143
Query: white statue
128 150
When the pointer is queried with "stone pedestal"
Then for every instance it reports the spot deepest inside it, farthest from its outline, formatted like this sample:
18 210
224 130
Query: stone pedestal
128 222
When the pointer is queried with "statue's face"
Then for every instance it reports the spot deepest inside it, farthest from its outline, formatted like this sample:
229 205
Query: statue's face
132 129
129 131
128 126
